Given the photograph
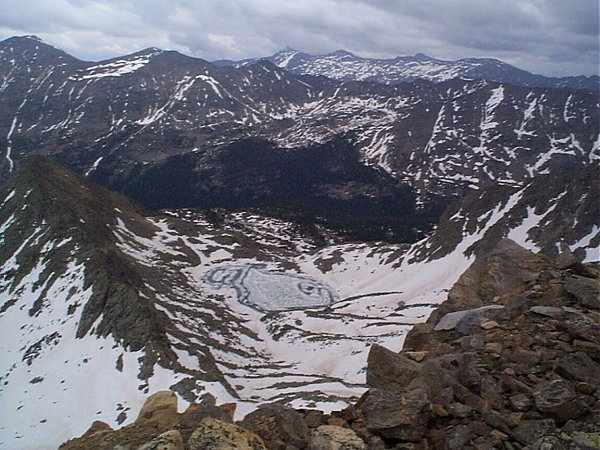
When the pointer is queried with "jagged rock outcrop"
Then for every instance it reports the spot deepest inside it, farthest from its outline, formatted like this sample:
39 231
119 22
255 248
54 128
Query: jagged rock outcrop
507 362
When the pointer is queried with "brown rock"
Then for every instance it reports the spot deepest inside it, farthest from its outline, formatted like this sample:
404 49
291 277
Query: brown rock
439 410
98 427
397 415
159 410
228 411
313 418
512 419
557 399
520 402
213 434
468 373
389 370
337 422
349 413
418 337
490 391
524 358
273 422
498 436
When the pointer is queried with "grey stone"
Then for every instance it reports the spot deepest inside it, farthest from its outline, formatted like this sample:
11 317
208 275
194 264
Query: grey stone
585 290
548 311
451 320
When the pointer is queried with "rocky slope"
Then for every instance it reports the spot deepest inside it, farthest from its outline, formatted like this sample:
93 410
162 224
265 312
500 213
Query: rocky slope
343 65
511 360
122 121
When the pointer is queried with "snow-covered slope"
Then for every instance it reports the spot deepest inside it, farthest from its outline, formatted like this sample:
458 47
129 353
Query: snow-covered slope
343 65
102 303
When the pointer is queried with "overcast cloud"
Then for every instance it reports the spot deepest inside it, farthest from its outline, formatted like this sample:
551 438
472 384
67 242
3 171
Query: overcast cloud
551 37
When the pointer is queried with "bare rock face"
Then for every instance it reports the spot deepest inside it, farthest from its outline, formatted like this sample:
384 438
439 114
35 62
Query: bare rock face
213 434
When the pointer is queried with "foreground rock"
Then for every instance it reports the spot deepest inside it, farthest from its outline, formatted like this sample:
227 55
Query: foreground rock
511 361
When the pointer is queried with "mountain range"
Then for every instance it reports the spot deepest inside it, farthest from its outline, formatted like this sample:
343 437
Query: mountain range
338 146
246 232
345 66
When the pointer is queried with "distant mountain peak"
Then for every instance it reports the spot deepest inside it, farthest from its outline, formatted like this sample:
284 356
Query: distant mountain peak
346 66
32 37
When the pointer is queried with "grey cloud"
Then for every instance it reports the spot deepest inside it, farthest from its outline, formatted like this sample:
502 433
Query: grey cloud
553 37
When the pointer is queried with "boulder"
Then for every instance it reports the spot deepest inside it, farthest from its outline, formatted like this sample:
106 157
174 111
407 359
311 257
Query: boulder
397 415
159 410
557 399
389 370
169 440
585 290
476 315
213 434
528 431
579 367
329 437
278 423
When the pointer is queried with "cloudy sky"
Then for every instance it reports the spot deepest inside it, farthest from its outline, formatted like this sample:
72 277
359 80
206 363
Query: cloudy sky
551 37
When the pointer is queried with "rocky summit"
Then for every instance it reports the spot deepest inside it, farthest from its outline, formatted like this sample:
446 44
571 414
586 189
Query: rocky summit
511 360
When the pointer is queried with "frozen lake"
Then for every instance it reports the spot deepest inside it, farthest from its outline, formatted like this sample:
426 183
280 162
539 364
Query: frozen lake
266 290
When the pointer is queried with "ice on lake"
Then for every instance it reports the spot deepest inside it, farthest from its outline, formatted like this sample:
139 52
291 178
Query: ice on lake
266 290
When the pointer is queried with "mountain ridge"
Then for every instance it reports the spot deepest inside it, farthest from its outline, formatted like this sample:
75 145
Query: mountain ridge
346 66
